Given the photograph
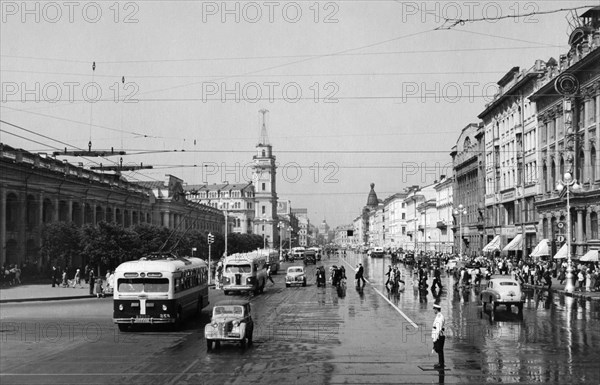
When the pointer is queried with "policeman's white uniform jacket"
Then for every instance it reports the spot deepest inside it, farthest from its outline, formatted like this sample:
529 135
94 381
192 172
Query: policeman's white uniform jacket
439 323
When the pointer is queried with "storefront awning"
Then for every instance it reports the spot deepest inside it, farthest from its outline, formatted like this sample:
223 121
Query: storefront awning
562 253
515 244
542 249
590 256
493 245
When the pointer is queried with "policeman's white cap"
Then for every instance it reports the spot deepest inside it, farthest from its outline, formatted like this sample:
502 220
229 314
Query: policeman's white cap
437 307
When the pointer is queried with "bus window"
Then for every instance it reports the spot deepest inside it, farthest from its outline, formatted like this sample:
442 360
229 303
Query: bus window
238 269
137 285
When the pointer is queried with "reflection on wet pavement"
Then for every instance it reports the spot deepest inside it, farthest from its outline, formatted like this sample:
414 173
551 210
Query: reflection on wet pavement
556 341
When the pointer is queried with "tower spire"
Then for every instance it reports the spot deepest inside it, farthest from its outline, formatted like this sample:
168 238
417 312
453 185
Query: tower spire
264 138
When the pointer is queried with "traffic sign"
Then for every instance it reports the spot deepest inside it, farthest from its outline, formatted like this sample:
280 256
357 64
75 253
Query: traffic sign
560 238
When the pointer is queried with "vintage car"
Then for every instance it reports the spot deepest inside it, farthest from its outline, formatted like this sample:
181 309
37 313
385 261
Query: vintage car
502 290
310 256
231 321
295 276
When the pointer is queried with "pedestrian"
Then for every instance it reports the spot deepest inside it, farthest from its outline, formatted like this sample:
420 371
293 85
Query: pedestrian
65 282
99 290
269 275
437 335
77 278
388 274
54 276
359 275
580 279
91 280
437 279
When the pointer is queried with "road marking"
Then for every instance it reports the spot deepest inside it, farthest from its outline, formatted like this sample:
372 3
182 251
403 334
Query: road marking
397 309
388 301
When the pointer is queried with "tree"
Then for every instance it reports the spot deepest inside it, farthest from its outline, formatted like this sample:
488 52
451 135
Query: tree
60 243
107 244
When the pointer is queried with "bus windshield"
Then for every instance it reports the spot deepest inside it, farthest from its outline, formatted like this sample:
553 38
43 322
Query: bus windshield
238 269
148 285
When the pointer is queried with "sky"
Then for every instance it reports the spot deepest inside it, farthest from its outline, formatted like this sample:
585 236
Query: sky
357 92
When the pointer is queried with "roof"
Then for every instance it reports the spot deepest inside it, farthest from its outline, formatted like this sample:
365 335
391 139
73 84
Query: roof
372 200
232 302
217 187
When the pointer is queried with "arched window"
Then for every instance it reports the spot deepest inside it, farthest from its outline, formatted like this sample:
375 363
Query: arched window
467 143
581 166
545 177
552 176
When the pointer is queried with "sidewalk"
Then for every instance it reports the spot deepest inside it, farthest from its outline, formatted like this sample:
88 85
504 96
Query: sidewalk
558 288
41 292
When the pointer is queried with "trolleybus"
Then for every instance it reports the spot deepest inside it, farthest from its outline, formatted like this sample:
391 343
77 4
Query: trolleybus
159 289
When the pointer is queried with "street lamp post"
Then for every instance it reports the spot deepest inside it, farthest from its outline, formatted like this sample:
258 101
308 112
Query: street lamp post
569 184
225 211
460 212
281 227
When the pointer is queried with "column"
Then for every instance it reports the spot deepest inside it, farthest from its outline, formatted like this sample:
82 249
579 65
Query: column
165 218
579 234
93 208
56 214
21 228
70 210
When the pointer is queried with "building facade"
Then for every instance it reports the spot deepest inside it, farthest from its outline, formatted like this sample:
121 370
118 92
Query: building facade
444 236
235 200
468 191
510 144
394 211
36 190
568 105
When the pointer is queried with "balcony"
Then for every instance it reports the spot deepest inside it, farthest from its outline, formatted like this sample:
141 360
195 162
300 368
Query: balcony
441 225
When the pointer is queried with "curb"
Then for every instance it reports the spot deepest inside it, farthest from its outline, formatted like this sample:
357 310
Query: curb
48 298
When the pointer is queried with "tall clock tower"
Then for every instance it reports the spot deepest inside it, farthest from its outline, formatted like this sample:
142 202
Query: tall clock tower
265 189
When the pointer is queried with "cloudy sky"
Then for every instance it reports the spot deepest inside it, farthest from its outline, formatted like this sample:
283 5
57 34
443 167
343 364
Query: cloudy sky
357 91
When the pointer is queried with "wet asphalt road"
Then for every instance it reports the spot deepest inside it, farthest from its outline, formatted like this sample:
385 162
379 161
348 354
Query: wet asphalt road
310 335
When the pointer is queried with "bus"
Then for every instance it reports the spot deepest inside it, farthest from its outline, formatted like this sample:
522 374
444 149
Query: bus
160 288
245 272
272 256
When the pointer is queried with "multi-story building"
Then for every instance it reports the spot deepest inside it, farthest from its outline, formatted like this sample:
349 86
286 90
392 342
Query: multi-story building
510 132
235 200
568 105
303 226
343 236
419 202
36 190
468 167
376 221
394 211
443 238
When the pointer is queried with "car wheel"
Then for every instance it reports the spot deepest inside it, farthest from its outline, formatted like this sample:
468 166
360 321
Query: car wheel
123 327
250 339
209 344
243 343
287 285
520 309
304 283
225 292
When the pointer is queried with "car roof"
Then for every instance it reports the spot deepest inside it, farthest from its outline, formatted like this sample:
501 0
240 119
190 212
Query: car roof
232 302
499 277
296 267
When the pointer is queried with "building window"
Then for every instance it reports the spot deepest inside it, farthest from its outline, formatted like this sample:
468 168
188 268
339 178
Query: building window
263 187
403 215
264 209
594 224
